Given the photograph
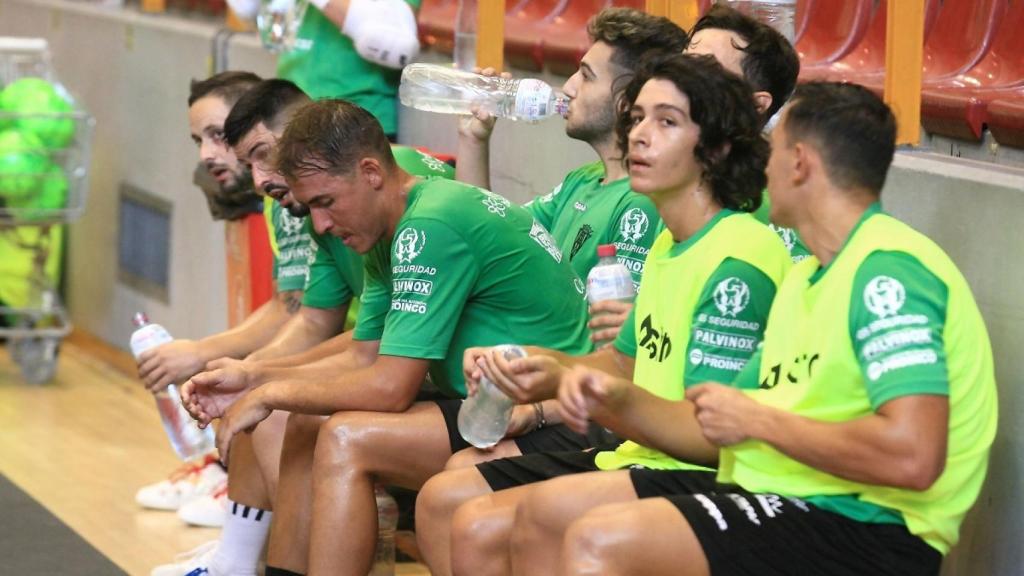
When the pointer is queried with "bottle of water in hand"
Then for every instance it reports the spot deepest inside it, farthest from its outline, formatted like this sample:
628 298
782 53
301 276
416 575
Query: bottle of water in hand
278 22
447 90
484 416
187 439
609 280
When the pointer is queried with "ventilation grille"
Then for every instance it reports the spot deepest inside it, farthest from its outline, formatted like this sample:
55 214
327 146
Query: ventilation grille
144 242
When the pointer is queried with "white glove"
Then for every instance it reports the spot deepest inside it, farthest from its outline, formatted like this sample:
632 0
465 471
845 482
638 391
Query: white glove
245 9
384 31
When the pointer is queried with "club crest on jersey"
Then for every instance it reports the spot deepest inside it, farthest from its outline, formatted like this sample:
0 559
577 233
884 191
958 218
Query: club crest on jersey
786 234
633 225
290 224
409 244
731 296
884 296
582 235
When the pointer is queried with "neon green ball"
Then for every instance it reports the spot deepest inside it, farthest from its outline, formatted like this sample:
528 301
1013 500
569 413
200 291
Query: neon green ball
36 101
51 195
23 164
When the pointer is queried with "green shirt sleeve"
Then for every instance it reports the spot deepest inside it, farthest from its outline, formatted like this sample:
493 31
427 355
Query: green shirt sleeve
434 271
325 286
625 342
545 207
897 316
747 378
376 298
742 295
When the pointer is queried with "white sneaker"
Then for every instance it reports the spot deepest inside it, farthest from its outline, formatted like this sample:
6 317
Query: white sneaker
191 480
207 510
195 562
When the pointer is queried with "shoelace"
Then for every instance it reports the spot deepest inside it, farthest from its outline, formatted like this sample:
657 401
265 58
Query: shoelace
221 491
191 469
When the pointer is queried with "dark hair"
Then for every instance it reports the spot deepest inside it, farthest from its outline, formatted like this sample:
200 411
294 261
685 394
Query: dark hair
633 33
731 148
228 86
265 102
770 64
854 130
330 136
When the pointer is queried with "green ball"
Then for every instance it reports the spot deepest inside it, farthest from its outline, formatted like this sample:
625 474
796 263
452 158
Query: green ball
36 102
23 165
52 195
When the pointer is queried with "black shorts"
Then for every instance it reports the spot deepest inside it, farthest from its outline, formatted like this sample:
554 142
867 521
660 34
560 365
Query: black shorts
556 438
507 473
769 535
650 483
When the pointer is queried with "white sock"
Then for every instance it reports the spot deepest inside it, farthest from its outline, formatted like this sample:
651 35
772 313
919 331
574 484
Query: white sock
241 540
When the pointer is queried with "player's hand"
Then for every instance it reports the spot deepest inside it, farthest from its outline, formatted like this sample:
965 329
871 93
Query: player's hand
479 125
173 362
471 371
243 416
723 412
585 393
524 419
529 379
607 318
209 394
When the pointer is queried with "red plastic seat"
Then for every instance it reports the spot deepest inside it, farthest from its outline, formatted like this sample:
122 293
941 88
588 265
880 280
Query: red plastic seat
832 29
963 34
524 42
958 106
436 21
565 38
1006 120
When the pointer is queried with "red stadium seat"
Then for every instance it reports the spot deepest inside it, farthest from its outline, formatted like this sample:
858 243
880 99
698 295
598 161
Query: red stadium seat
523 24
565 38
1006 120
963 34
832 29
437 24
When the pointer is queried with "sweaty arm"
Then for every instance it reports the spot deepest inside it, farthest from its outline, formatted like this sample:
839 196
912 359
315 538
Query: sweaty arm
256 331
308 328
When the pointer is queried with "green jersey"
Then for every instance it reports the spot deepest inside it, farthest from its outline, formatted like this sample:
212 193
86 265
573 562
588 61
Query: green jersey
889 317
584 212
797 250
324 64
291 245
467 268
699 316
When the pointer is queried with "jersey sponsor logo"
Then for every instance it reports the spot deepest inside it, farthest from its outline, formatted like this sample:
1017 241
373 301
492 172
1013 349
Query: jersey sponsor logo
884 296
728 322
495 204
901 360
621 247
746 507
414 269
423 287
581 287
787 235
290 224
893 341
731 296
409 244
724 340
541 235
413 306
712 511
550 196
580 206
430 162
657 342
699 357
770 503
582 235
633 225
801 367
634 265
887 323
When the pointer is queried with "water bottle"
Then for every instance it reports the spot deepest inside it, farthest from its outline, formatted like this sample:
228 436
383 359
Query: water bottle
779 14
484 416
609 279
446 90
188 440
278 22
387 521
465 35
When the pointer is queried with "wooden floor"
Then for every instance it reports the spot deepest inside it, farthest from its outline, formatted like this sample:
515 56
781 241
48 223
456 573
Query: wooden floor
84 443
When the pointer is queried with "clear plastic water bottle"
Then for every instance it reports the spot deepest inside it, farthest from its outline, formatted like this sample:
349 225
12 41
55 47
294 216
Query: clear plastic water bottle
188 440
609 279
278 22
446 90
387 522
465 35
484 416
779 14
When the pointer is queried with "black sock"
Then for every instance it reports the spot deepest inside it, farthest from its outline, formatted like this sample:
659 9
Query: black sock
271 571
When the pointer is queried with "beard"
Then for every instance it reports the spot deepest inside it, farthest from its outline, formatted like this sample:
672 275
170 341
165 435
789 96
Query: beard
596 128
241 182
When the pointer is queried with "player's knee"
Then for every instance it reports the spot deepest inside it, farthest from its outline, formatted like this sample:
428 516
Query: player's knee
473 525
464 459
342 442
588 547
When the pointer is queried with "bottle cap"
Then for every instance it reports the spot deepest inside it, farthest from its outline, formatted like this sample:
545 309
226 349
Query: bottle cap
140 319
605 250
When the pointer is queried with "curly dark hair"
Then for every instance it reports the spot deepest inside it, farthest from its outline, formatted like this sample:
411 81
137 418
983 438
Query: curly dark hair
330 136
731 147
769 63
853 129
634 33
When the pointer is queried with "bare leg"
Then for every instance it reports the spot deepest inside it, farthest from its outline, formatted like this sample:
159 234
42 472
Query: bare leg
245 482
543 517
289 534
353 450
480 532
266 445
618 539
435 506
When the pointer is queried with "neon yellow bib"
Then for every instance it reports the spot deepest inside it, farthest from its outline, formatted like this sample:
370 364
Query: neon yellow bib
809 363
669 292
